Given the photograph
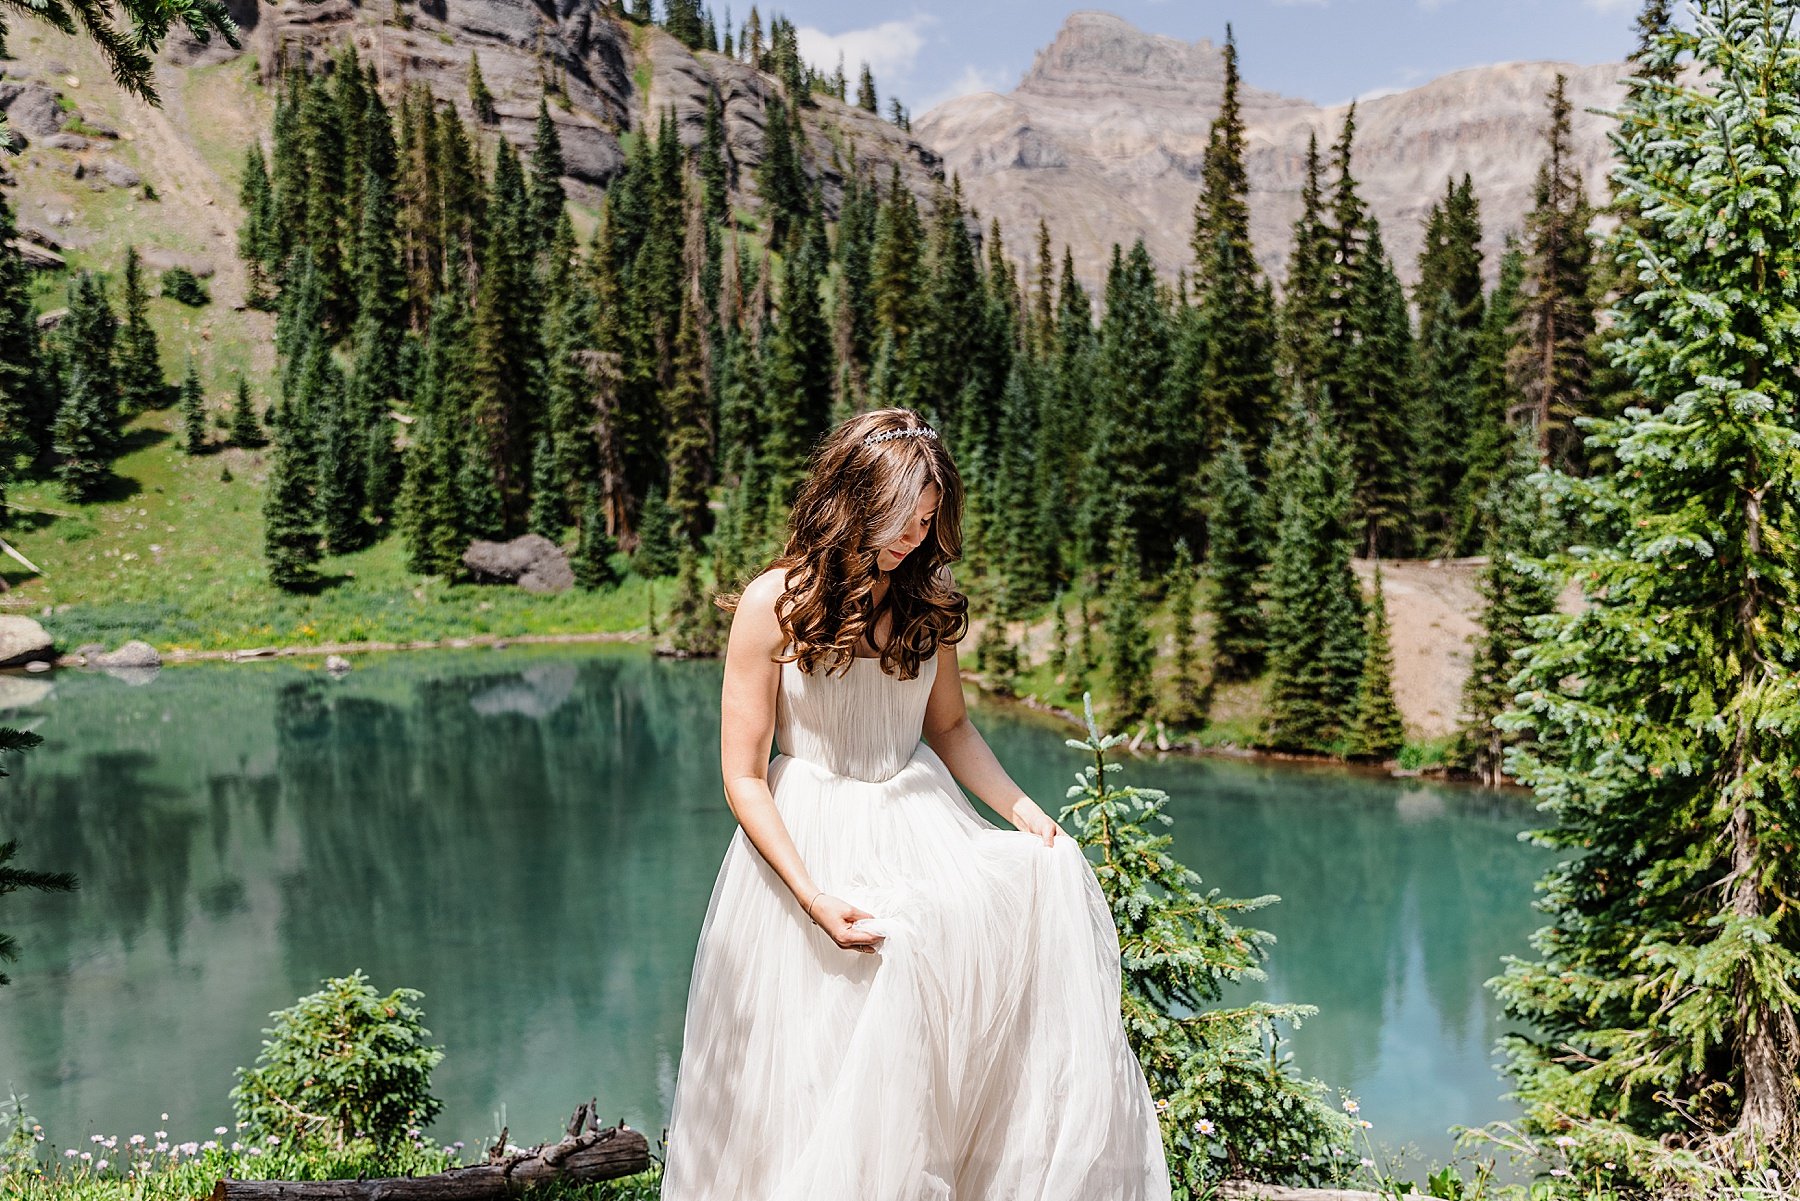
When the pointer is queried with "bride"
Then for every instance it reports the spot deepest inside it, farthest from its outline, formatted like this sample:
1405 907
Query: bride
892 999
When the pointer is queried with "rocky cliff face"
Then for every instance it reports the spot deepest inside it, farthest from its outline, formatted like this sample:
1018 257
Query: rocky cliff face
608 77
1104 139
617 77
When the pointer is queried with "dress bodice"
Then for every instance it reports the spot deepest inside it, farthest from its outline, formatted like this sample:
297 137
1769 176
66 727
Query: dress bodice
862 723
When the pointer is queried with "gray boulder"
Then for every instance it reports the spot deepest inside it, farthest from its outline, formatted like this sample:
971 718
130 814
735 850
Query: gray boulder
531 561
66 141
119 175
133 654
31 107
22 639
39 259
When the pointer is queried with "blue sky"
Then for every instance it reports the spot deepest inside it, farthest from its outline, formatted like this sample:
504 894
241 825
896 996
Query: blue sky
1327 51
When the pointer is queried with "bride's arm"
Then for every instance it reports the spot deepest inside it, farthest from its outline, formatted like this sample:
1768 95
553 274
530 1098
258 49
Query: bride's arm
746 730
965 752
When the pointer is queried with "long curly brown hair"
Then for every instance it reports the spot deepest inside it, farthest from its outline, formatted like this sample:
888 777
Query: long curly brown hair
855 500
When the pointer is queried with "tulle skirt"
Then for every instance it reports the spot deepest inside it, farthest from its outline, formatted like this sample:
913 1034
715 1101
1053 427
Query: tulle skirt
977 1056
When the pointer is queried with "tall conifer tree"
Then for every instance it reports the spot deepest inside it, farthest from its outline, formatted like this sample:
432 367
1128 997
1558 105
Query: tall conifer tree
193 412
1316 622
1234 372
26 397
1519 535
547 169
141 384
1451 308
1377 732
1234 565
504 362
246 429
1550 362
1662 1000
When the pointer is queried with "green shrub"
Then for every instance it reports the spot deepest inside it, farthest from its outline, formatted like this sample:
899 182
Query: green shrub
1230 1101
343 1066
178 283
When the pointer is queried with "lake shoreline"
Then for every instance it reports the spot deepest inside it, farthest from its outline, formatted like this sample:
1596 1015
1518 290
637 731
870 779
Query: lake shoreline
1148 742
1144 742
297 650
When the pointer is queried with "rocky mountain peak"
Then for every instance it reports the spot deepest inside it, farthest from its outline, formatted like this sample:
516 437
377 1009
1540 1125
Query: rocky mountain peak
1106 136
1099 49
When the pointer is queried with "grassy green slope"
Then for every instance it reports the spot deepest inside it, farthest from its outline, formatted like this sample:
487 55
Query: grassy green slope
174 554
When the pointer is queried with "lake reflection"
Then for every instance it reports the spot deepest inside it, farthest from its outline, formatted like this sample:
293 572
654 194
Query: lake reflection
529 836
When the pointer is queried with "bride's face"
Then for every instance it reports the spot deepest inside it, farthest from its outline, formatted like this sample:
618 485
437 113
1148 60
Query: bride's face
914 533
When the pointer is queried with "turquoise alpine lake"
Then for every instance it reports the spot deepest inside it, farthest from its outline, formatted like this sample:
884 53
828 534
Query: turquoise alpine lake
529 837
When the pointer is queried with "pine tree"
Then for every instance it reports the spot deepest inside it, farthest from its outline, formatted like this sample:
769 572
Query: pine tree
682 20
1233 371
1128 639
865 91
291 537
1129 476
26 398
1520 535
1085 640
1059 636
1184 705
898 280
1377 732
258 241
1451 310
342 482
1660 1008
1305 325
505 364
1316 620
547 170
593 552
432 510
781 179
246 429
694 625
140 377
1376 399
1234 566
689 436
751 43
715 166
88 419
481 101
1615 281
193 412
1492 396
84 440
797 381
658 547
378 337
1550 363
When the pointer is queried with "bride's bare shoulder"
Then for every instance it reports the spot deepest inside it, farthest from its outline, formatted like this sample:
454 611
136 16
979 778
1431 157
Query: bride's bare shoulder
763 591
755 622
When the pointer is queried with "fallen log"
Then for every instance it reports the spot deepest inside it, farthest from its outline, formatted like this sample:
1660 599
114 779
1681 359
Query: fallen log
585 1155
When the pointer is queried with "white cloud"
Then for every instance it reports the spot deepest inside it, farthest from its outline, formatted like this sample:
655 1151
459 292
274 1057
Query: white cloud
890 48
973 79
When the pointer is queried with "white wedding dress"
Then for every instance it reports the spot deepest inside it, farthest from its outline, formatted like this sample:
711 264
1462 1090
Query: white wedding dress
977 1056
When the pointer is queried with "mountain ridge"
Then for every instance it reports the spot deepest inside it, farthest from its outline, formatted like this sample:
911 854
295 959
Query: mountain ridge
1105 135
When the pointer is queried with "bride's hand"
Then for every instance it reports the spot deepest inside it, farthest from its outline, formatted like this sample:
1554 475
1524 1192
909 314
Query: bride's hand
834 916
1028 817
